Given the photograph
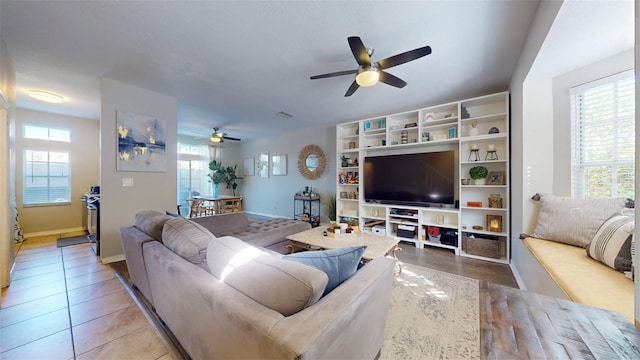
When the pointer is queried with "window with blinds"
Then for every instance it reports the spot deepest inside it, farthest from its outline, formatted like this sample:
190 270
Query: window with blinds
47 178
603 137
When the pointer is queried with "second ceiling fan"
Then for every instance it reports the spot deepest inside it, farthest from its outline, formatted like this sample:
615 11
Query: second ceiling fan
369 73
219 137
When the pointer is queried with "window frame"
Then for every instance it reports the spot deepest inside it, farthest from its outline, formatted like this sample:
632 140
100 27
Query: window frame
26 175
580 166
48 130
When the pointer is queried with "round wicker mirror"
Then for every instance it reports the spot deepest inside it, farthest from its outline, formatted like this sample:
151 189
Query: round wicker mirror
311 162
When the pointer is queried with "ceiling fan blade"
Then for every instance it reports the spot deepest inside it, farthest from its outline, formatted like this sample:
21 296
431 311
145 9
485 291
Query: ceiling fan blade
354 86
392 80
231 138
404 57
359 51
338 73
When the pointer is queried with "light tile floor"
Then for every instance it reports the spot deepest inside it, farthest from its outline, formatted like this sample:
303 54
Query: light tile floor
64 304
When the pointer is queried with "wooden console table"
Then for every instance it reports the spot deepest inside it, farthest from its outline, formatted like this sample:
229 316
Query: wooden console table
208 206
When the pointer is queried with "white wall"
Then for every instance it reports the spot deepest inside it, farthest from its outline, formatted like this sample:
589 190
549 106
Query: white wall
273 196
528 145
637 231
151 190
562 111
7 165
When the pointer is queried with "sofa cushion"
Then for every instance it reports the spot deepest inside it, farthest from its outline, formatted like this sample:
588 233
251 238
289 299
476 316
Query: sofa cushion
187 239
151 222
612 243
339 264
284 286
573 221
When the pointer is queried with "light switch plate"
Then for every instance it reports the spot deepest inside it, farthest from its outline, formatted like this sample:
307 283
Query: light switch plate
127 181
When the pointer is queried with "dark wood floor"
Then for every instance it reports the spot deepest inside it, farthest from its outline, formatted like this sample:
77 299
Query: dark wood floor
445 260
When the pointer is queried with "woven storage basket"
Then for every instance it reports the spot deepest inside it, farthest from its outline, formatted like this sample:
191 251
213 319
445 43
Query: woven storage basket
481 246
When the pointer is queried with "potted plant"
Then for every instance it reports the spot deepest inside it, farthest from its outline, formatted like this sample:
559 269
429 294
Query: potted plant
478 174
345 161
331 207
222 175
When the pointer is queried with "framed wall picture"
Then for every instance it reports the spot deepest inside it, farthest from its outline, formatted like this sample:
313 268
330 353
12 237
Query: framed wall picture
496 178
141 143
248 168
279 165
262 165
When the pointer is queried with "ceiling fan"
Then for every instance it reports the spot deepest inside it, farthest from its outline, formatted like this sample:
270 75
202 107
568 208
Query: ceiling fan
219 137
368 73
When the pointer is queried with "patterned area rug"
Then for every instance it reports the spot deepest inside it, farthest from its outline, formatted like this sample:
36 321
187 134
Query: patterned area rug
432 315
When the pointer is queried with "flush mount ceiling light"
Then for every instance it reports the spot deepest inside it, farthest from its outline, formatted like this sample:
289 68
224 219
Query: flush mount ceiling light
46 96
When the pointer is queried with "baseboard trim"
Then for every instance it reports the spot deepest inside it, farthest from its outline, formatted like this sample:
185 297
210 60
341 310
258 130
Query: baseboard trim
112 259
516 275
53 232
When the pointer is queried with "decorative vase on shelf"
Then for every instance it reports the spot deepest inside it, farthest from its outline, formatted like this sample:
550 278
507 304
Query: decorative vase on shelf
216 190
482 181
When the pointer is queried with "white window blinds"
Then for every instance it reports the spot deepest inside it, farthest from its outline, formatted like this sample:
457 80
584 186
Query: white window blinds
603 141
46 177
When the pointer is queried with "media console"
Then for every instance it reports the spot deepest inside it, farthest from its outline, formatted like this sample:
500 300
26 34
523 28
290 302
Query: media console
477 131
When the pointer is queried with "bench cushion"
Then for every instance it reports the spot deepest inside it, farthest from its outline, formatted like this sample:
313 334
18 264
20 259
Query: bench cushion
583 279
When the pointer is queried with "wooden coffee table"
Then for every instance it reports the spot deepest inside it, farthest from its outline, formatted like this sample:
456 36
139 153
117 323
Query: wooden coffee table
314 239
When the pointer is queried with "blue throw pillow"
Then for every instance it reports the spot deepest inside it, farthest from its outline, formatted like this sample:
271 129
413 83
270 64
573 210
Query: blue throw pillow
339 264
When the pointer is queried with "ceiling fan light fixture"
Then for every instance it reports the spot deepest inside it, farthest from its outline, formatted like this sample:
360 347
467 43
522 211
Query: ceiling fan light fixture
216 139
367 76
45 96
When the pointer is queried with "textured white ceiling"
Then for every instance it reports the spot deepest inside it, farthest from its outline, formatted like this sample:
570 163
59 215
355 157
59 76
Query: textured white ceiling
236 64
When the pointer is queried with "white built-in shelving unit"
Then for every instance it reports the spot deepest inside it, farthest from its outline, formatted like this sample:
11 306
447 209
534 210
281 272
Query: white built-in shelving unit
460 126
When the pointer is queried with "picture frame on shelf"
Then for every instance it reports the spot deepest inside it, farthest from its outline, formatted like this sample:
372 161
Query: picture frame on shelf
495 178
494 223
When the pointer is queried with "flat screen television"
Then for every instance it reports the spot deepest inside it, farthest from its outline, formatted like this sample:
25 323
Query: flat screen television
422 179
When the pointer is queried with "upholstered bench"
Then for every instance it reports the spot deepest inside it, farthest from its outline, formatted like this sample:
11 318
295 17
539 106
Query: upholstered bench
583 279
585 247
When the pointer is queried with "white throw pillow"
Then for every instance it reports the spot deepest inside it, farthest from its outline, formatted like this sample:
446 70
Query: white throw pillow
612 243
573 221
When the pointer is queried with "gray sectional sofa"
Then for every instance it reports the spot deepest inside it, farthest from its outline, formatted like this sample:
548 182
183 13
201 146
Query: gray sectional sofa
223 298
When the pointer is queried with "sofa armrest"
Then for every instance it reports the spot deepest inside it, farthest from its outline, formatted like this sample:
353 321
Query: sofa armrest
132 240
348 323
